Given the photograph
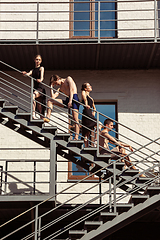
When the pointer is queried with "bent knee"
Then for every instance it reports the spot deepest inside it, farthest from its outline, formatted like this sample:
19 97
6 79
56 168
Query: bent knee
122 150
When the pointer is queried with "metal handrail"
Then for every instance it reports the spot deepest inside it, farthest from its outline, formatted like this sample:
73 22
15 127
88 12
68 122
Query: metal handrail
132 178
37 11
69 226
121 158
98 113
82 205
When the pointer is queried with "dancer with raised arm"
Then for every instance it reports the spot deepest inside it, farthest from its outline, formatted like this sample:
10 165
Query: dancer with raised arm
38 74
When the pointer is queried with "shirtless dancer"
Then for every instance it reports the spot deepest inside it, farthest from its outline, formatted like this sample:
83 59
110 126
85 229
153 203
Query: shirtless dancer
68 87
116 152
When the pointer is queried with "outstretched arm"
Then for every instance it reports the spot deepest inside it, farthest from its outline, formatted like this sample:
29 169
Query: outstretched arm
126 145
114 141
111 139
28 74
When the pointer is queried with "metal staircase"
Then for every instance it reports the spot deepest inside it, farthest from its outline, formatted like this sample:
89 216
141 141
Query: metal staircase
94 221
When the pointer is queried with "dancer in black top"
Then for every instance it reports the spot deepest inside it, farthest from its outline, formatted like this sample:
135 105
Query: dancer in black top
88 122
38 74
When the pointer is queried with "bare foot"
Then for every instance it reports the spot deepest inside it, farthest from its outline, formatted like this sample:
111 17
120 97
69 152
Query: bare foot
75 139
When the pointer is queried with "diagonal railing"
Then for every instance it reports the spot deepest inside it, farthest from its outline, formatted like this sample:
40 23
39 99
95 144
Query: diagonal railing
17 96
114 201
68 117
12 95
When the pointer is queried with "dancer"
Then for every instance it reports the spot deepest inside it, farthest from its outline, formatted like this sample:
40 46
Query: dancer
88 118
69 88
38 74
118 151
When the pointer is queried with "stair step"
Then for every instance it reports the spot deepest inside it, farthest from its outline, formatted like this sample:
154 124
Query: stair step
121 207
104 158
130 172
2 101
76 234
97 165
25 116
108 216
153 190
91 225
143 179
37 122
63 136
138 198
50 129
76 143
93 168
119 165
91 150
12 109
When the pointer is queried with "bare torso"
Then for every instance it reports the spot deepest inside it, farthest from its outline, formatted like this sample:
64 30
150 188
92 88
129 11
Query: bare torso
68 86
103 141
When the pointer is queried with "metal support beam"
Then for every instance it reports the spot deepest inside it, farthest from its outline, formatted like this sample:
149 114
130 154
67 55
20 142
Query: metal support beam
53 167
155 20
37 23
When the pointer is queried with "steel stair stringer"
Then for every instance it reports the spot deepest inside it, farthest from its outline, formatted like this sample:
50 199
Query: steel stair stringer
87 158
123 219
39 130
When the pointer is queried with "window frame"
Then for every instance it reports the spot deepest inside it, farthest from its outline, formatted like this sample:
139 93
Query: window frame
92 23
72 177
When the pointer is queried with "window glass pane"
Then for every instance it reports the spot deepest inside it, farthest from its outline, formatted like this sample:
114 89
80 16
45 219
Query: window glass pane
108 109
81 18
78 170
106 13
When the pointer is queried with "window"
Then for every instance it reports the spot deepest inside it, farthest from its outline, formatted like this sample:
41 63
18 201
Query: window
84 19
109 109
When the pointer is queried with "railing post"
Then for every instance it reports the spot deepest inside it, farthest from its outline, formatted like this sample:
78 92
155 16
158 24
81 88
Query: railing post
36 223
110 195
39 229
97 133
114 185
31 98
155 20
99 26
100 191
110 191
37 31
6 169
34 179
53 170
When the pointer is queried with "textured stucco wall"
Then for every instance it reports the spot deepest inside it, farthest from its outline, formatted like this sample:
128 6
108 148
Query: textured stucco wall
134 19
137 95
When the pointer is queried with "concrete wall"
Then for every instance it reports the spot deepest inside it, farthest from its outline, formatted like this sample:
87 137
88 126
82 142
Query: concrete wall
135 19
137 95
28 13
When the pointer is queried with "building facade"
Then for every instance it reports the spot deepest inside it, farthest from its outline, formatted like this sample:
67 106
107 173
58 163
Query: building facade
114 46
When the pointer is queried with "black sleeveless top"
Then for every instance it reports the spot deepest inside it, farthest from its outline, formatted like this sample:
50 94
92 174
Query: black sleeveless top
36 73
88 122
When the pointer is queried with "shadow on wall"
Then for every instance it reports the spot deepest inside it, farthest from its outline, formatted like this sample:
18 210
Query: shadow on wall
14 190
